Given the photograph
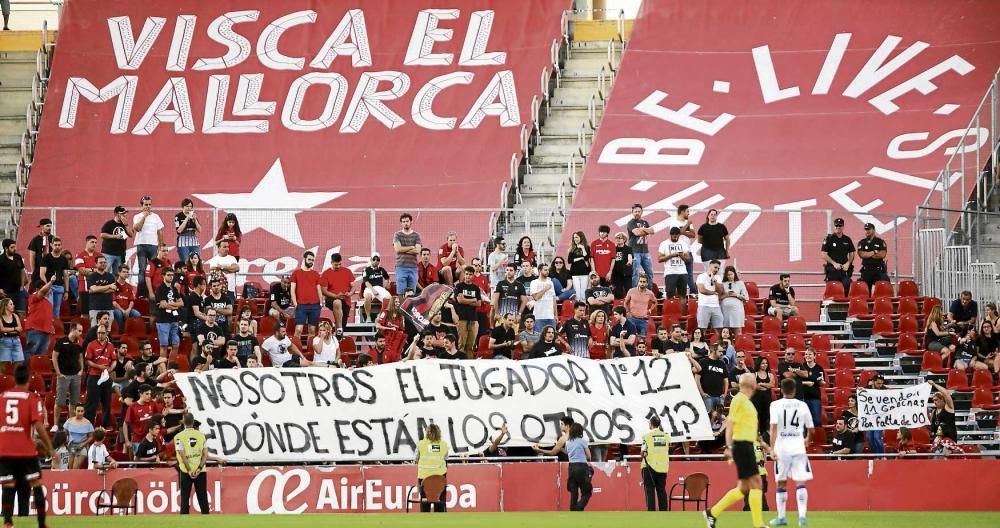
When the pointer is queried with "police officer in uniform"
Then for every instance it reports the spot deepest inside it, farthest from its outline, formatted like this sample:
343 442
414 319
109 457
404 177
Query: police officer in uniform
432 455
838 256
872 251
655 461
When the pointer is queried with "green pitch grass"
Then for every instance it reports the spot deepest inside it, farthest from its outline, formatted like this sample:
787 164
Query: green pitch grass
530 520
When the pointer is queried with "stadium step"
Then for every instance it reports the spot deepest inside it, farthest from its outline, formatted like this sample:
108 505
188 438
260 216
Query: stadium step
14 101
9 155
16 72
13 125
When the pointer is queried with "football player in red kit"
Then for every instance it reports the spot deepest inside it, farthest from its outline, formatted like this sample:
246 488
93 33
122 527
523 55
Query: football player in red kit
20 412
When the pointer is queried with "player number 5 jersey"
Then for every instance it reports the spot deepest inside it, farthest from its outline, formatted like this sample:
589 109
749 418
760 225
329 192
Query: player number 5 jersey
793 419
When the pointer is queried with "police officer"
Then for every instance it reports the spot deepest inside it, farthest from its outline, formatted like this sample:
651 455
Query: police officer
432 459
838 256
655 461
872 251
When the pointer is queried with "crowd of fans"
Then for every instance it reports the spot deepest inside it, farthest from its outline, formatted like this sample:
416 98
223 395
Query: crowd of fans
599 301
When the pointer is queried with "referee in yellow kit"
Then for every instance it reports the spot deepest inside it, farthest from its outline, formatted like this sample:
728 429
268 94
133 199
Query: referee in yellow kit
741 433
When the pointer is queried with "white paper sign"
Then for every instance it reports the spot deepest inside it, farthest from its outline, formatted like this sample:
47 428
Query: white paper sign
892 409
378 413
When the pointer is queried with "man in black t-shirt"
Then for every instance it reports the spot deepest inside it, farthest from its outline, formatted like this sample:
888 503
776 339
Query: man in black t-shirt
149 448
509 296
247 345
169 304
468 296
219 300
172 416
212 333
40 245
599 297
193 314
872 251
114 233
67 360
665 343
528 274
13 277
638 229
57 266
713 379
812 384
229 360
782 298
788 368
503 339
843 440
575 332
101 285
280 299
375 280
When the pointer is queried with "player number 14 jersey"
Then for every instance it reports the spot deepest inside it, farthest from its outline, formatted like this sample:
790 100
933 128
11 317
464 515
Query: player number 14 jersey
793 419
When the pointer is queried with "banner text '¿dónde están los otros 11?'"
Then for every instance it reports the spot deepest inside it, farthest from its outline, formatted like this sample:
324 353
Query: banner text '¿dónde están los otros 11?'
379 413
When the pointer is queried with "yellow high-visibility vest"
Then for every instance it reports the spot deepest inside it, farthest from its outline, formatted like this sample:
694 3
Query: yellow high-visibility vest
656 444
433 458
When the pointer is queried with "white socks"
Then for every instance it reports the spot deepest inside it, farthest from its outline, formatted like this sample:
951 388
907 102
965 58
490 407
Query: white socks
802 497
782 500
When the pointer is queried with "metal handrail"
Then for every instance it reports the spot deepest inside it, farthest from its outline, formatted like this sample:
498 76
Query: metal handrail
592 111
503 195
554 53
581 139
513 169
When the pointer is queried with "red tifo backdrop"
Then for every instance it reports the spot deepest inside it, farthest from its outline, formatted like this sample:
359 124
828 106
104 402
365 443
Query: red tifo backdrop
880 485
813 149
84 164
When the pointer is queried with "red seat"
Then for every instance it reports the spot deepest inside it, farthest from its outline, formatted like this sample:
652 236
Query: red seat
752 290
844 379
796 325
932 362
840 397
566 310
857 308
483 348
750 308
920 435
907 306
866 376
907 342
770 325
908 324
822 342
958 380
929 304
41 365
136 327
823 359
673 307
982 379
266 326
883 306
908 288
769 343
834 290
844 360
36 383
883 325
983 399
796 341
883 289
859 289
744 343
749 325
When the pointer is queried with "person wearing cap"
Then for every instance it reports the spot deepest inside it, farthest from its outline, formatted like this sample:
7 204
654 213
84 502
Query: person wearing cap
872 251
13 277
838 256
675 253
638 230
148 228
114 233
39 246
375 278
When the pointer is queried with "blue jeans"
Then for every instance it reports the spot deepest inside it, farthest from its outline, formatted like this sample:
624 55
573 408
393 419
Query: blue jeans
21 300
712 402
692 289
143 253
74 286
641 326
120 318
183 252
38 344
542 323
875 442
815 408
114 262
169 334
645 263
56 297
405 278
562 294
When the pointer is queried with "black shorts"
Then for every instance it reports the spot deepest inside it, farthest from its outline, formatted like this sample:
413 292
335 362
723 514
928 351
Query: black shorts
675 285
745 459
16 469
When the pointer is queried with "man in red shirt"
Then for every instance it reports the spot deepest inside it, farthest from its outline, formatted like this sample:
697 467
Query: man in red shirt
22 414
137 418
85 263
602 251
306 295
451 259
38 324
123 300
337 285
427 273
483 281
154 270
101 361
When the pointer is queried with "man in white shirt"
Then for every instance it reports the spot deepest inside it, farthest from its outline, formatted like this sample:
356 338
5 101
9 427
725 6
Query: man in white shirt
282 351
682 221
224 266
148 229
497 262
543 295
791 430
710 290
675 254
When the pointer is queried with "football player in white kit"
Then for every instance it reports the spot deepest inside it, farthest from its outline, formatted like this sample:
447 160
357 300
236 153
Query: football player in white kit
791 431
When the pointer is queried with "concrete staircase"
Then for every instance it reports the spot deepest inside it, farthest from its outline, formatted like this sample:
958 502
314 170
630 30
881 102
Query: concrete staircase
17 68
567 123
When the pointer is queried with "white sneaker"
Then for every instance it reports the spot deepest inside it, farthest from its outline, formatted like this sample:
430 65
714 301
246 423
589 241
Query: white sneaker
55 428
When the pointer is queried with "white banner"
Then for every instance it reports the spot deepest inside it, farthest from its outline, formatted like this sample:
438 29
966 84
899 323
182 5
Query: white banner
892 409
378 413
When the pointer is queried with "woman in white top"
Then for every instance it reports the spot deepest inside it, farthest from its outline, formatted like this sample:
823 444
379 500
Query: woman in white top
326 349
733 315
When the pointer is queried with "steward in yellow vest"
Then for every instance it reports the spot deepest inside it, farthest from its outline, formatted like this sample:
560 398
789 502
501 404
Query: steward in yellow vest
655 462
432 455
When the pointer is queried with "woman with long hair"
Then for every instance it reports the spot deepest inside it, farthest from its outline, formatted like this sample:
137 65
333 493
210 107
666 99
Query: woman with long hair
986 348
546 345
230 232
575 446
936 338
10 335
562 281
193 267
580 265
390 323
733 313
188 227
621 267
525 251
992 315
599 333
850 417
714 239
762 395
698 346
326 349
80 432
432 459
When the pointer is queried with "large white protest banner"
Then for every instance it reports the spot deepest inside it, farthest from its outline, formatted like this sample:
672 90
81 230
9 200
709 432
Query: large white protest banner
378 413
892 409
